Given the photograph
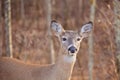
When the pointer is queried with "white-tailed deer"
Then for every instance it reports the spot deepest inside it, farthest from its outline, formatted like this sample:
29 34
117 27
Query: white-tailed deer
12 69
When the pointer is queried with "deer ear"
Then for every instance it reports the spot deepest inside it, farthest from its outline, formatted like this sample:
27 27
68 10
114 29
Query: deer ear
86 29
56 27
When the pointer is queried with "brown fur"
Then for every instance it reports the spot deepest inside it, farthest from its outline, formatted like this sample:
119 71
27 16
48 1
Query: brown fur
12 69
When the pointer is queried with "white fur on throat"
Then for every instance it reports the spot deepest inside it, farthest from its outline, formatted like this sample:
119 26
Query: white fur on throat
70 59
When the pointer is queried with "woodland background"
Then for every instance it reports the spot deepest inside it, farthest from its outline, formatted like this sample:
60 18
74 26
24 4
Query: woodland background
31 40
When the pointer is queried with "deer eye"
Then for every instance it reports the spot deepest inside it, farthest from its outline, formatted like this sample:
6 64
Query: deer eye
78 39
64 39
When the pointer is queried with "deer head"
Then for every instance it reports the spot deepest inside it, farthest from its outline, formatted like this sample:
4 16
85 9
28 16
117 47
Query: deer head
70 40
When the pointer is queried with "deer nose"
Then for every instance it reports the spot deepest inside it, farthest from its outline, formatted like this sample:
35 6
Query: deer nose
72 49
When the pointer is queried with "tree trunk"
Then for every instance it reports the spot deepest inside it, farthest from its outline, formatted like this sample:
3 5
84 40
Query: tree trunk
22 10
48 6
0 10
23 18
8 33
117 31
90 42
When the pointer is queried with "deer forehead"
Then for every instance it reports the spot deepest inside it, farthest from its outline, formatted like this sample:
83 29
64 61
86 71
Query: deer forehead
70 34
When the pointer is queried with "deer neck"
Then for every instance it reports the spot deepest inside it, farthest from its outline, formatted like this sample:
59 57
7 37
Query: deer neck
66 59
64 66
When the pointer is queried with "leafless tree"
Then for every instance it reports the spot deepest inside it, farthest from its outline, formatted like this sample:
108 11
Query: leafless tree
8 32
49 9
0 10
90 42
22 9
117 30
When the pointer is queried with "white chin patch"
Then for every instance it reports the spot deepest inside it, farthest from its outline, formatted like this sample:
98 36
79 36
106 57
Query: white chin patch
70 59
71 54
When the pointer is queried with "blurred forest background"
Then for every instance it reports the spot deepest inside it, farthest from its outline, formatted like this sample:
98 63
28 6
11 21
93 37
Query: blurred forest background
32 41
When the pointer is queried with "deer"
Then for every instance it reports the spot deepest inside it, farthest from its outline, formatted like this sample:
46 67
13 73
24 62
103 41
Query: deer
13 69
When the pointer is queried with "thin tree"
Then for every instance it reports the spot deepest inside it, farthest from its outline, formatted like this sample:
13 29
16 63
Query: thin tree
49 9
8 32
0 10
65 12
90 41
81 9
117 32
0 23
22 10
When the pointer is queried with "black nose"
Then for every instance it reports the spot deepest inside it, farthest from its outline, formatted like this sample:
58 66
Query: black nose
72 49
